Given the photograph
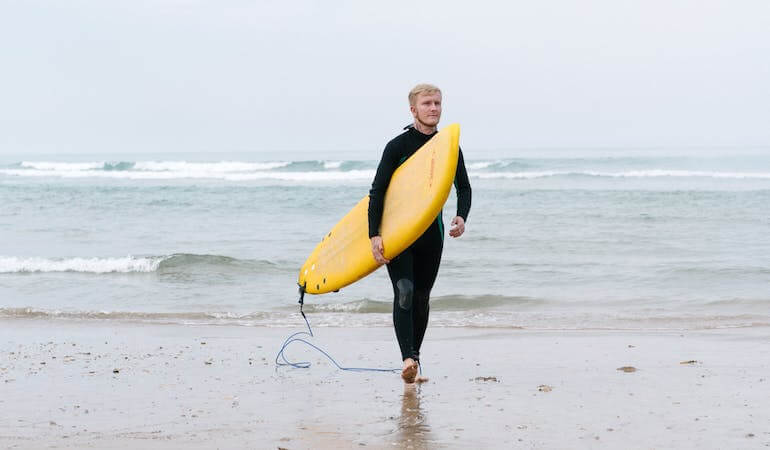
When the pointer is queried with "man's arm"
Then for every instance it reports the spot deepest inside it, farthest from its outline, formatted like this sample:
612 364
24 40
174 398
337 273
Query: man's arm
463 186
385 169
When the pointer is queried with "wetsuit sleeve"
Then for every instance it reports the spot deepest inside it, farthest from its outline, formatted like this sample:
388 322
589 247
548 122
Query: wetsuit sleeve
388 165
463 186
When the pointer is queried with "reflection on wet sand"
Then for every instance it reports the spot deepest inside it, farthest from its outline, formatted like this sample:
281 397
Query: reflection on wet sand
413 429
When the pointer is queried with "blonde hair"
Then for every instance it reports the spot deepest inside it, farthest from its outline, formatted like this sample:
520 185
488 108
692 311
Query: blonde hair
422 88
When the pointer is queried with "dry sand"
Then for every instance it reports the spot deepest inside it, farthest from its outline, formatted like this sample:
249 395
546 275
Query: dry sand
69 384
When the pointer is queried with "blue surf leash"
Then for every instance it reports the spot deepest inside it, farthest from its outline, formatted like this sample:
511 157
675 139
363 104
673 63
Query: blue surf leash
281 360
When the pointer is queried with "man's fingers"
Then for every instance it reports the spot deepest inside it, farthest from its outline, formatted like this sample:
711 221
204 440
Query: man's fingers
378 252
383 260
457 231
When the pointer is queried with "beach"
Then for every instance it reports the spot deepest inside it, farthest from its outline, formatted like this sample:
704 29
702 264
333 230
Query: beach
113 384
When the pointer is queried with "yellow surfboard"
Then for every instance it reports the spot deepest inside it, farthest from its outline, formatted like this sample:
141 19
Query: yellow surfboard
417 191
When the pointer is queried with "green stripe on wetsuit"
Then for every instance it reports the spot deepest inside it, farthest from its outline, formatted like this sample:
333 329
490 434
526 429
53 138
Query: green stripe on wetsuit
441 224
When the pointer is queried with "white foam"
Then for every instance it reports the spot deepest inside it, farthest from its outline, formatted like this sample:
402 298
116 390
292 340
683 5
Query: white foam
351 175
332 164
215 167
202 174
517 175
89 265
54 166
480 165
684 173
629 174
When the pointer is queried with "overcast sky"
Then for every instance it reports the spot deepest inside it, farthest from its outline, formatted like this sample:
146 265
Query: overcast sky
263 76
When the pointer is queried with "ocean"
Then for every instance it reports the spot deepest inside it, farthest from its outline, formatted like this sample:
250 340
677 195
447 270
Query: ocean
649 242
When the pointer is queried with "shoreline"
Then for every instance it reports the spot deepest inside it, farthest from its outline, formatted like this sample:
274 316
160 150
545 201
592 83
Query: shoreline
75 384
549 321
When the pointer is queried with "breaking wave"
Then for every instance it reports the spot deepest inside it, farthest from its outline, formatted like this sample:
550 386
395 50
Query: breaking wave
89 265
337 170
626 174
128 264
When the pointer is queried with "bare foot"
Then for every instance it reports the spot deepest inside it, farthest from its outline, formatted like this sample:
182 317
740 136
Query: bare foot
409 372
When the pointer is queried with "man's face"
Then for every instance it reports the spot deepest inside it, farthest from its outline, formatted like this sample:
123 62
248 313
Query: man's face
427 108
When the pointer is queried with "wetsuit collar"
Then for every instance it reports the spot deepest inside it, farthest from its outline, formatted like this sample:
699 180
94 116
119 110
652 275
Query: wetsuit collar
410 127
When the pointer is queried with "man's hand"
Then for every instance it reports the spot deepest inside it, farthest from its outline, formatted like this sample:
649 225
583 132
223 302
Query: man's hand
458 227
378 250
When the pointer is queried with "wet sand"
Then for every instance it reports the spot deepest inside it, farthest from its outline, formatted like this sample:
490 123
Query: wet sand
94 384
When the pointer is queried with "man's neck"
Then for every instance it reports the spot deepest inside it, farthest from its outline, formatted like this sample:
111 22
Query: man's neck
424 129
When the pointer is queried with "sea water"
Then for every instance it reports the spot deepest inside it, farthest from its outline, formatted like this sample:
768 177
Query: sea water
556 241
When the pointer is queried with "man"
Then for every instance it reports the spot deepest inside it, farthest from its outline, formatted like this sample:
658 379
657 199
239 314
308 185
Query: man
414 270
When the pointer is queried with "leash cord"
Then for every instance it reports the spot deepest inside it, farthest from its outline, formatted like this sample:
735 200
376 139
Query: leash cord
281 360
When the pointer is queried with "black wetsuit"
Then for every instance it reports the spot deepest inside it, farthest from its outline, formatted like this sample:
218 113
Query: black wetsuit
414 270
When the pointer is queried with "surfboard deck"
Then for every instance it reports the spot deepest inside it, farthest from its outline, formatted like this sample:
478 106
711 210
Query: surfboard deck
415 196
